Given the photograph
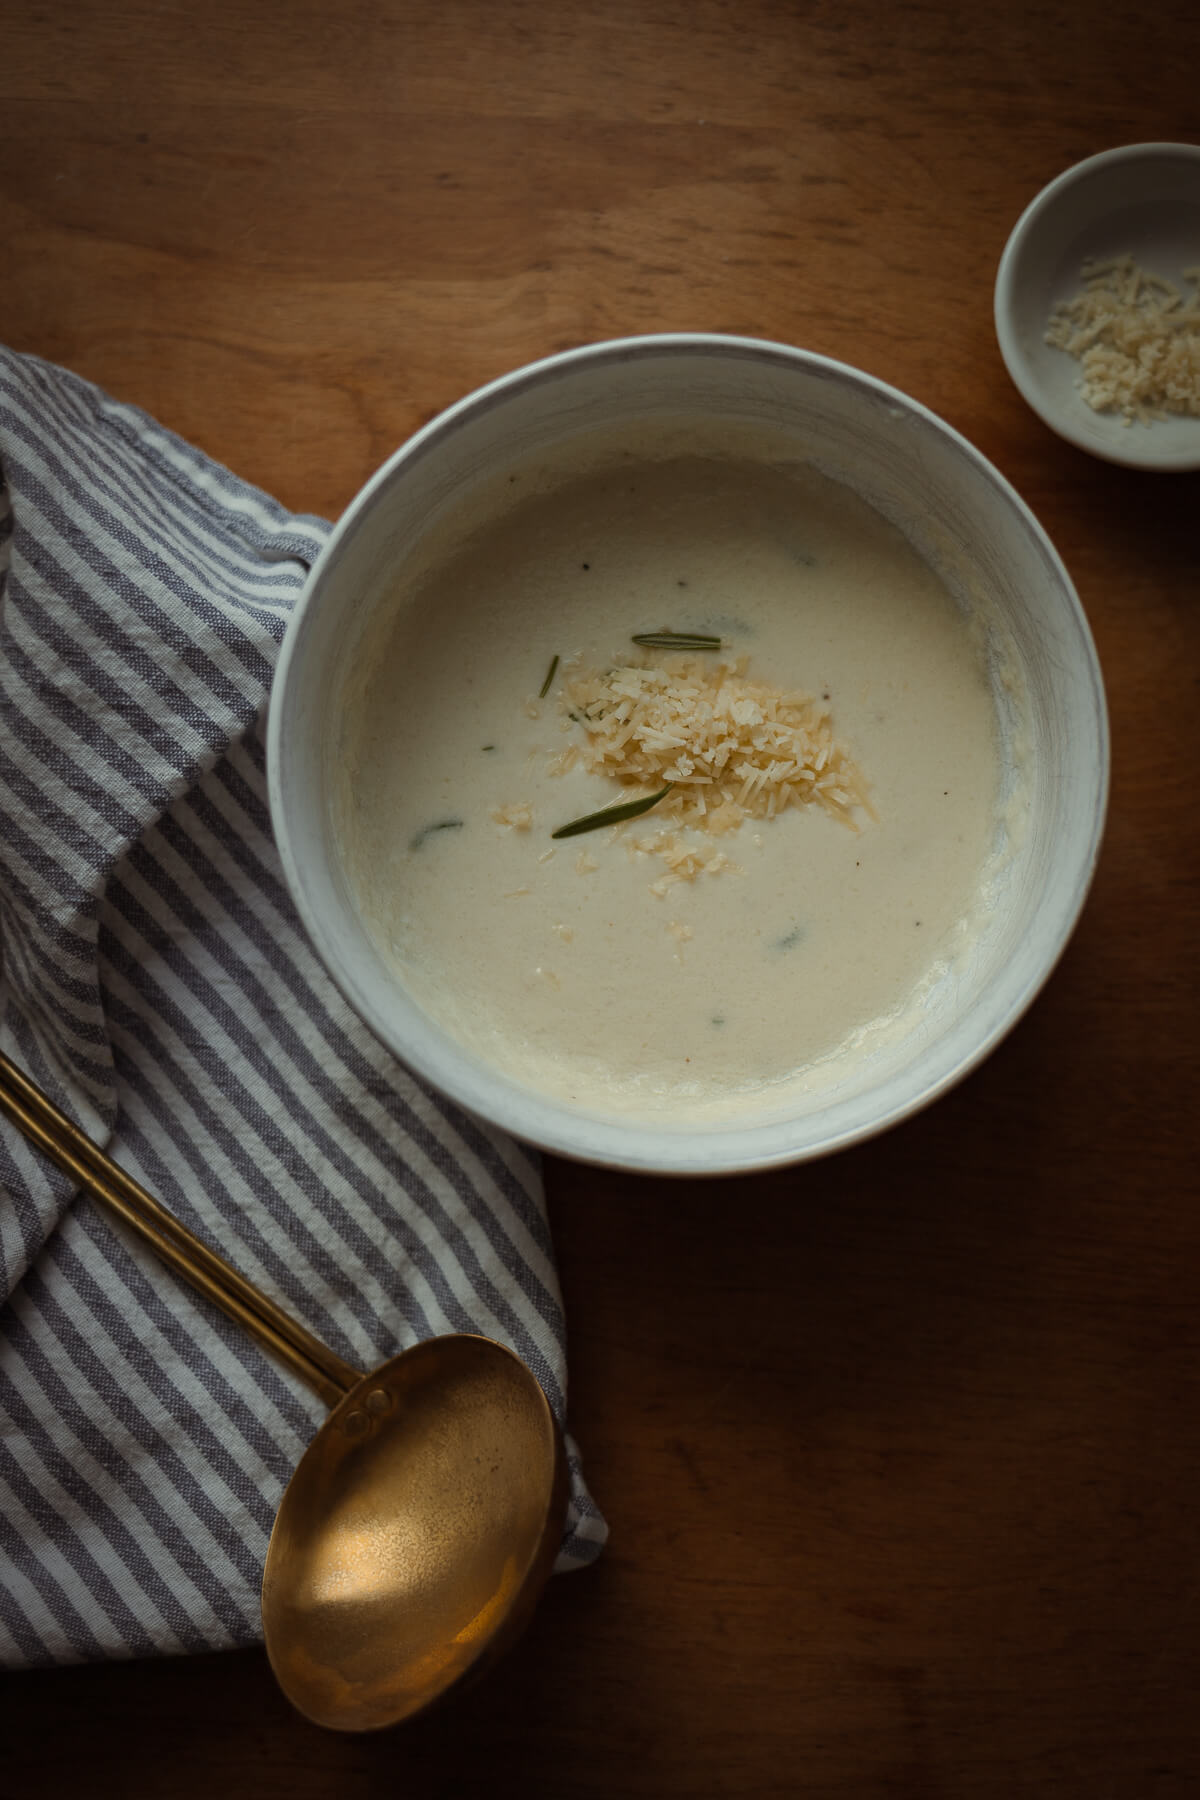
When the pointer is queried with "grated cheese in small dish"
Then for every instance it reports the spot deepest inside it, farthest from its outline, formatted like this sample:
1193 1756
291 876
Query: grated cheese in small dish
1136 338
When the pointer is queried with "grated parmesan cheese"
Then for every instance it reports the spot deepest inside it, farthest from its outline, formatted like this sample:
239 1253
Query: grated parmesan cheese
517 816
733 749
1137 339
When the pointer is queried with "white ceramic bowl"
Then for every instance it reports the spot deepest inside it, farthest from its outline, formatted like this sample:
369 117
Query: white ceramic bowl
1143 199
903 460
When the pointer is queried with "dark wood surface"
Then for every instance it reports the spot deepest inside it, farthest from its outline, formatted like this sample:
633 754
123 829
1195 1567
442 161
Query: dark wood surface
900 1451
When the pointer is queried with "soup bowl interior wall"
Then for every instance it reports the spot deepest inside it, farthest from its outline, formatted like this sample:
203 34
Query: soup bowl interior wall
955 509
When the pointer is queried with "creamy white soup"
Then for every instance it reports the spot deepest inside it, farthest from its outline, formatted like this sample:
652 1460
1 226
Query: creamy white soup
656 964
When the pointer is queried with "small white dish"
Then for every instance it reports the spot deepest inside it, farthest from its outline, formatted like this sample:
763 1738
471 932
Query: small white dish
1141 199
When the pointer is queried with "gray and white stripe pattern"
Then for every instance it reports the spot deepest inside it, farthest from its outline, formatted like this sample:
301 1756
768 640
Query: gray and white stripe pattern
156 982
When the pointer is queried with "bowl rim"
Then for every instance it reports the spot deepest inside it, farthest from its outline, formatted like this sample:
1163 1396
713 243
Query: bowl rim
1007 288
635 1145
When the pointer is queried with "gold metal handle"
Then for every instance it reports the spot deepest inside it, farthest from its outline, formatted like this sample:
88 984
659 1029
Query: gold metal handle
61 1140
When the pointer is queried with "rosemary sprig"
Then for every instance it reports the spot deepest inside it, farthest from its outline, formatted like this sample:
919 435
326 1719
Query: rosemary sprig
676 640
545 687
612 815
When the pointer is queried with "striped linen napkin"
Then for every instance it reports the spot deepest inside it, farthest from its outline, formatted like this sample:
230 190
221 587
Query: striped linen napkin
156 982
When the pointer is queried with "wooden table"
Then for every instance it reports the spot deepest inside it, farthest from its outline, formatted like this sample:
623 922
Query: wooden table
900 1451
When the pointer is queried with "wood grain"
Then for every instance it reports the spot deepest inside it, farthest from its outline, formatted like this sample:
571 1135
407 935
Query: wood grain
900 1451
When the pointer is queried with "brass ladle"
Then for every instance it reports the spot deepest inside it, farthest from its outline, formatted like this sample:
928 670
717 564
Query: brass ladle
416 1534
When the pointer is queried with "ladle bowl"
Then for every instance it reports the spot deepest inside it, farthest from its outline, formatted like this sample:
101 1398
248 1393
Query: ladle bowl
415 1536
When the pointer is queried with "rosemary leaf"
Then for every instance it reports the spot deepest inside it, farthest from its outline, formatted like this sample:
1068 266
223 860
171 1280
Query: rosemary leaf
545 687
427 831
612 815
676 640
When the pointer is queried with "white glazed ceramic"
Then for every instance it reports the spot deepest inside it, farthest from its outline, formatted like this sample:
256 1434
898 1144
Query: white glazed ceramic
1143 199
903 460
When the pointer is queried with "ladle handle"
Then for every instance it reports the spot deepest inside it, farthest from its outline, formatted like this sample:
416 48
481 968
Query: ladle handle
60 1139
